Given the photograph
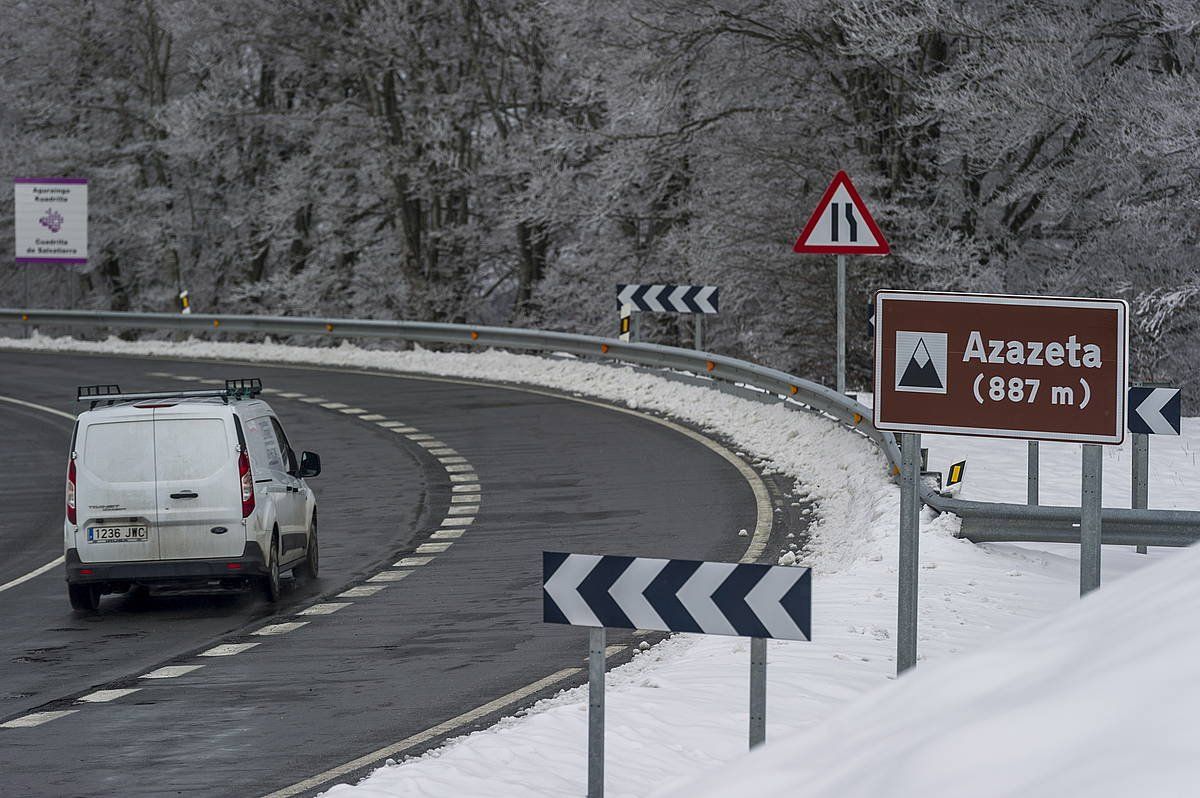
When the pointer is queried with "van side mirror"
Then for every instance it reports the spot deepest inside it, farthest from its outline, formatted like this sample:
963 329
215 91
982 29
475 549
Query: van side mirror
310 465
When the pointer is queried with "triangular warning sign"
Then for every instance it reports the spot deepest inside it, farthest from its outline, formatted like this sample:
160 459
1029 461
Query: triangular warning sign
841 224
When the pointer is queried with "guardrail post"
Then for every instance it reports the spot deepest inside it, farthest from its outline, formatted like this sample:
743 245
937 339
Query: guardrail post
1090 500
596 713
910 520
1141 475
1032 474
758 691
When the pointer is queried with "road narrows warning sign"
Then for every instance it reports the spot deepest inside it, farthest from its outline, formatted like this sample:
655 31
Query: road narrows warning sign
1039 368
841 224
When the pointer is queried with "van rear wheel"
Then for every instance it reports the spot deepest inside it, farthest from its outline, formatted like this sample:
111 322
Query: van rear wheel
85 598
312 560
271 580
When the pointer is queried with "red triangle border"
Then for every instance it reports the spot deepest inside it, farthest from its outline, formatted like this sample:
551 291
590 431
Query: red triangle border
841 179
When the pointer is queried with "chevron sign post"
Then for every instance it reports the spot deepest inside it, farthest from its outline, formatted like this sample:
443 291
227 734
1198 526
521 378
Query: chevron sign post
746 600
662 298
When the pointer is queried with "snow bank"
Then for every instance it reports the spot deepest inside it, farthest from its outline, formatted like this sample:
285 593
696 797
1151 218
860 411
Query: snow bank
1100 700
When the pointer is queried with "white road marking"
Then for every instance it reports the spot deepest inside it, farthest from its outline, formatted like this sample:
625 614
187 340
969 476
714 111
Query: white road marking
470 498
170 671
404 430
372 417
312 400
443 534
440 452
423 737
36 719
159 374
458 521
271 390
449 460
289 394
353 411
227 649
279 628
333 405
412 562
327 608
463 510
35 572
389 576
460 469
104 696
420 436
464 488
390 424
361 591
187 378
432 548
430 444
464 478
204 381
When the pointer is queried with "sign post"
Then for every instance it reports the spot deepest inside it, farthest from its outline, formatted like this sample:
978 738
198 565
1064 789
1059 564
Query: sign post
910 525
1032 475
1034 368
841 225
1153 410
746 600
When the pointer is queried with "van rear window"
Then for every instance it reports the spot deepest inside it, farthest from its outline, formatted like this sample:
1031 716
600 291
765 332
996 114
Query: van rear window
120 451
191 448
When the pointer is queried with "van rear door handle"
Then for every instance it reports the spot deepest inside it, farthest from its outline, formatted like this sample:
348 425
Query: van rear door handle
187 494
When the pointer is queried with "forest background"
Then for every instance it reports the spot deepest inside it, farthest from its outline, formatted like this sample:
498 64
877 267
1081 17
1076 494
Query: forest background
509 161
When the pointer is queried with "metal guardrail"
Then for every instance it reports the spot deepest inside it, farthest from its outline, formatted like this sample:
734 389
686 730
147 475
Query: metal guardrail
982 521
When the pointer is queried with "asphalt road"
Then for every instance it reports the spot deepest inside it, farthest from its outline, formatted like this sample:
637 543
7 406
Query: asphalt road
457 632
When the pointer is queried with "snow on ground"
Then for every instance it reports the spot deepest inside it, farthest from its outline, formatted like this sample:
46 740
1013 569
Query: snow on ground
680 709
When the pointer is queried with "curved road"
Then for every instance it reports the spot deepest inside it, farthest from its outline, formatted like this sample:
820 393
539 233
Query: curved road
398 660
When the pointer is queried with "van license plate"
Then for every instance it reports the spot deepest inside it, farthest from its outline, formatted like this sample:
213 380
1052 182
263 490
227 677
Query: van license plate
116 534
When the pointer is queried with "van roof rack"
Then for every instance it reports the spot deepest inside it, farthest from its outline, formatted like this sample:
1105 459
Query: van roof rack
243 388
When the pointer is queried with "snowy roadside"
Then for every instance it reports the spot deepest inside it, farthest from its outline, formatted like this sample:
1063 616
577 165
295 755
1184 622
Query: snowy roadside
680 708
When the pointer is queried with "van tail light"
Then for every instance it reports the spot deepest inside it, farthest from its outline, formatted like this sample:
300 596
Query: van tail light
247 484
71 491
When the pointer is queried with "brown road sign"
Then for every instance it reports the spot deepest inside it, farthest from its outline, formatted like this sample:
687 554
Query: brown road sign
1041 368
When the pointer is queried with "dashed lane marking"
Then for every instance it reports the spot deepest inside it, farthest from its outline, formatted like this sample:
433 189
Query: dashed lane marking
36 719
390 424
227 649
372 417
432 548
460 521
450 460
333 405
403 430
170 671
444 534
352 411
431 444
313 400
287 394
440 452
411 562
420 436
328 608
279 628
361 591
464 488
390 576
468 510
104 696
459 469
464 477
466 498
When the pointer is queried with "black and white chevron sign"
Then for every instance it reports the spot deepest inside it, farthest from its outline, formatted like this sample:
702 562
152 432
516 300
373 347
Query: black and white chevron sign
714 598
1154 411
669 298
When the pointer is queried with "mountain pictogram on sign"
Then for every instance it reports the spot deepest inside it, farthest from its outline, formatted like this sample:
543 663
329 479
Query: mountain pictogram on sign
921 361
841 224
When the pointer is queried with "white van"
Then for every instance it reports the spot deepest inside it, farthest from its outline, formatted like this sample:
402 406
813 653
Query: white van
185 490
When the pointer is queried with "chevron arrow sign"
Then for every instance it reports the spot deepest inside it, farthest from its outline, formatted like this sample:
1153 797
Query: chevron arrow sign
1154 411
669 298
746 600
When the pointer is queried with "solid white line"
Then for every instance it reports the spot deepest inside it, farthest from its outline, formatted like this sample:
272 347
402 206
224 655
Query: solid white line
170 671
36 719
41 569
104 696
227 649
279 628
425 736
35 572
